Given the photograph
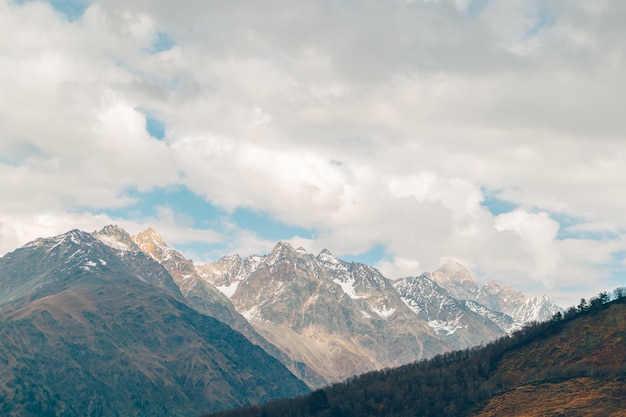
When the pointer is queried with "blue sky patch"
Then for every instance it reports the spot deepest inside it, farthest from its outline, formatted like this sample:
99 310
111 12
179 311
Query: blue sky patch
162 43
370 257
544 20
195 211
155 127
192 209
615 271
201 252
476 6
266 227
567 229
72 10
496 205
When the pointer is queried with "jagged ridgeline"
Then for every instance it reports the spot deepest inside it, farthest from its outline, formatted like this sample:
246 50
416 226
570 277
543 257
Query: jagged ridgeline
109 324
90 330
326 319
572 365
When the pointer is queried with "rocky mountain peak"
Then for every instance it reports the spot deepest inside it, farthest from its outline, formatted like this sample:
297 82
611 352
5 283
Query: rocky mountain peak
73 238
327 258
149 235
537 308
494 286
453 272
282 247
117 238
284 251
152 243
457 280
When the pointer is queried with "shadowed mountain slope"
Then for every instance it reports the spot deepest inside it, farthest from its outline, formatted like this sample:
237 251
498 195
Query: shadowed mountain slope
89 330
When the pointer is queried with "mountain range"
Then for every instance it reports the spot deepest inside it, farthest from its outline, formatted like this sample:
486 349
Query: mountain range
344 318
95 323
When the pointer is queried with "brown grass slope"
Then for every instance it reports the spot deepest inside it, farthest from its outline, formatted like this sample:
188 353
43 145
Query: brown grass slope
577 371
570 366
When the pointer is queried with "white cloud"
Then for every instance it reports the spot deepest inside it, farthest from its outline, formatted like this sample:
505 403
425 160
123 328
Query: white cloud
537 233
377 123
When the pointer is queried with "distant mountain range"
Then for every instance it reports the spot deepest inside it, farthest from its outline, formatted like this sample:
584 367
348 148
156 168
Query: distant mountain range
332 319
109 324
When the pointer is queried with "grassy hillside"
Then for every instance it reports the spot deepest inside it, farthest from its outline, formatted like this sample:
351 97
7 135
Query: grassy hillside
573 365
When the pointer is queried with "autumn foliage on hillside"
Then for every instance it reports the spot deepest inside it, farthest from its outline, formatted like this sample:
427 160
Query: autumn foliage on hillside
543 369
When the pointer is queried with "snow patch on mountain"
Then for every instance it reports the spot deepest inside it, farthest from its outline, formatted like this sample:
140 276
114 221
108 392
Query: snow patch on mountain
348 287
445 328
252 314
536 309
383 312
228 290
328 258
505 322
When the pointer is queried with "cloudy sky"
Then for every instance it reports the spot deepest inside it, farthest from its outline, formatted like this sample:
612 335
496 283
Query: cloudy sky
399 133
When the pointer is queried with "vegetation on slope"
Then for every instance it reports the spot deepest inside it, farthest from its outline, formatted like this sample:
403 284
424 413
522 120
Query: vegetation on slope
542 369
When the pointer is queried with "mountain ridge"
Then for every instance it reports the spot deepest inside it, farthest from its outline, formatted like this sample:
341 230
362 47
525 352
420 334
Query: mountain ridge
323 318
366 297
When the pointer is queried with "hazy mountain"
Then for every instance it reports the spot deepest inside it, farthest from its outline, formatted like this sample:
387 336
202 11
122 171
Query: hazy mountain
90 330
460 284
569 366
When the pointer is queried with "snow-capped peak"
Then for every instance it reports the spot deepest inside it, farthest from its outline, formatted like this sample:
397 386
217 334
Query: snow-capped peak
537 308
117 238
328 258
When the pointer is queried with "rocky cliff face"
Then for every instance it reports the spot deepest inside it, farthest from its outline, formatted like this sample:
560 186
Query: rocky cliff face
87 329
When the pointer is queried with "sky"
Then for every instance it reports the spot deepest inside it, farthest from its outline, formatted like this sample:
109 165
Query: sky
398 133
